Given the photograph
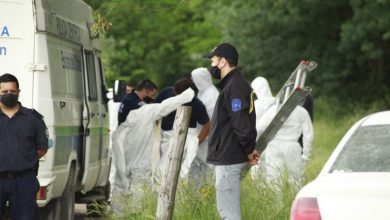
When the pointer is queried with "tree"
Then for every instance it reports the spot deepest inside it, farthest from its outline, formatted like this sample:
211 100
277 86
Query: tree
161 40
348 38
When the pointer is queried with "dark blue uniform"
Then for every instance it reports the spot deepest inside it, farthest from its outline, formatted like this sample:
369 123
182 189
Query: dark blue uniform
20 138
130 102
233 124
198 113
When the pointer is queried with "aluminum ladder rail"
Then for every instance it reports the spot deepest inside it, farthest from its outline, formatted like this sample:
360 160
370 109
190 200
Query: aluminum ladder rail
291 94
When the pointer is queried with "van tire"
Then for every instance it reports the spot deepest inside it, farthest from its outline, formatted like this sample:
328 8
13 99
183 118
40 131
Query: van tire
67 200
107 190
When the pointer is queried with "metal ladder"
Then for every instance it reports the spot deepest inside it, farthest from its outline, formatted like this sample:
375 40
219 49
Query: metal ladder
292 93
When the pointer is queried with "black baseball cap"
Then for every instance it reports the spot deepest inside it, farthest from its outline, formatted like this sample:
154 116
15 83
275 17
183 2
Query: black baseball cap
225 50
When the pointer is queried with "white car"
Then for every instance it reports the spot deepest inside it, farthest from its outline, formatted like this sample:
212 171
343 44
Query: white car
355 181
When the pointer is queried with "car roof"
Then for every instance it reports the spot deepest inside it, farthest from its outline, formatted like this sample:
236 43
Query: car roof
380 118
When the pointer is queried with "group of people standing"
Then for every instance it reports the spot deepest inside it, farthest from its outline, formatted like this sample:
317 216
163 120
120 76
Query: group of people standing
225 123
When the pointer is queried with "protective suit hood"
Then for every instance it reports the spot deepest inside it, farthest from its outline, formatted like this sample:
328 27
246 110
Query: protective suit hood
208 93
265 99
201 78
261 87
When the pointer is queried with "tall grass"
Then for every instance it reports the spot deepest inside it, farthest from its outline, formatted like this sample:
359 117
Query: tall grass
259 201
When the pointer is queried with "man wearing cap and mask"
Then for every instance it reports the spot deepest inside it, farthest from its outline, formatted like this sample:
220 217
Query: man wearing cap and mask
233 130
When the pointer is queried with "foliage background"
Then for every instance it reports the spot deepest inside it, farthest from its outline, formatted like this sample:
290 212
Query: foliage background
349 39
165 39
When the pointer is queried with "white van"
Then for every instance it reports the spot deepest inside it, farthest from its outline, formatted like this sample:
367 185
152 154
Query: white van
47 45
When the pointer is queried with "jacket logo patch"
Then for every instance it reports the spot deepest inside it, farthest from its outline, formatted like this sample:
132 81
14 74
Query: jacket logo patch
236 105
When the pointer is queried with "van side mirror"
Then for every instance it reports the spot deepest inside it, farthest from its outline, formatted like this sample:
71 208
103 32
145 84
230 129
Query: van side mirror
119 90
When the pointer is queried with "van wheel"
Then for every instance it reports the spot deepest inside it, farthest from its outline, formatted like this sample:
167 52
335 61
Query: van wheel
107 190
67 199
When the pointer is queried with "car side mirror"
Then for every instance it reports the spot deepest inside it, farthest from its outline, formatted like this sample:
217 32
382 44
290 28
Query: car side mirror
119 90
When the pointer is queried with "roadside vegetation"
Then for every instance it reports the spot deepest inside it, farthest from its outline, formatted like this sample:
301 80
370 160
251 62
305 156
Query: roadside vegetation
258 201
164 40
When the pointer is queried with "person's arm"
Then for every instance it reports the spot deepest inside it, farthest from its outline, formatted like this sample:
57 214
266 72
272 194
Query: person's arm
123 111
242 117
200 112
204 132
263 121
308 135
41 137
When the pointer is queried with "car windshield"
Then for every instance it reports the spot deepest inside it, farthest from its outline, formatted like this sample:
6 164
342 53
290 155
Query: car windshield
368 150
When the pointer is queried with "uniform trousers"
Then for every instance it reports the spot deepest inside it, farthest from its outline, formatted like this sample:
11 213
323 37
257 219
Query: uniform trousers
21 193
227 184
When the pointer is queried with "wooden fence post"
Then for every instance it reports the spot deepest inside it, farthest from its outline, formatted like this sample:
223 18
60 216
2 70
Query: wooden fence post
166 197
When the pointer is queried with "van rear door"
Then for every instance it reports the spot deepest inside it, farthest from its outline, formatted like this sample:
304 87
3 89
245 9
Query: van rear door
17 45
92 124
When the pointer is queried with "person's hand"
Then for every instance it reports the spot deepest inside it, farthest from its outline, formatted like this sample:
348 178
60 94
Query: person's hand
253 157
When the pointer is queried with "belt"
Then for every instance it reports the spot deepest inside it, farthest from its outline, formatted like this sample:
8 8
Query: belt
14 174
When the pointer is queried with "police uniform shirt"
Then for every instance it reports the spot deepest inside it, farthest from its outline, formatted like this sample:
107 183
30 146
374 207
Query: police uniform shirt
165 93
130 102
20 138
198 113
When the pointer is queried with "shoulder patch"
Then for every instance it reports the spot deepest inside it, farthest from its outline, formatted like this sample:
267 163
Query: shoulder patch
36 114
236 105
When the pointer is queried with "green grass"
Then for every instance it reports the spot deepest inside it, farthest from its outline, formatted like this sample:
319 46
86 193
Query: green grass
258 201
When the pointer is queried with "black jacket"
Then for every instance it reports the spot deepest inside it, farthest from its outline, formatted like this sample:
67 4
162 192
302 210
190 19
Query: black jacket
233 124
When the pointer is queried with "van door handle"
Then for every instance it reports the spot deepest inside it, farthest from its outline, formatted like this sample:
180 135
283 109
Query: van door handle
92 115
103 115
62 104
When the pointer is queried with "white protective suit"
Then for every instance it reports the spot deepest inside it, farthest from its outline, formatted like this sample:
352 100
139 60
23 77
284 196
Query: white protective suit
284 152
132 149
264 100
113 110
189 153
208 94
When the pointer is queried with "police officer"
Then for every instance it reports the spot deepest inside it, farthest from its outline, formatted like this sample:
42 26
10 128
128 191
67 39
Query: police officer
23 140
233 130
144 93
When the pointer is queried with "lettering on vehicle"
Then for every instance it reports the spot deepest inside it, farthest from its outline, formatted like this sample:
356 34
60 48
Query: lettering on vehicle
68 30
3 51
4 32
71 61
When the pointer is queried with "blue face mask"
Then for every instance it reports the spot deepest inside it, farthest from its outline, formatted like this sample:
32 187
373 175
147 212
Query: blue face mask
9 99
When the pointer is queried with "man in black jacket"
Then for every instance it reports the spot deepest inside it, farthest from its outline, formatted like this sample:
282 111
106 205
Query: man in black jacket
233 130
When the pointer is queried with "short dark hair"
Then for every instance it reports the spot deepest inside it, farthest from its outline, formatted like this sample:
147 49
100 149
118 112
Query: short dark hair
6 77
146 84
130 83
181 85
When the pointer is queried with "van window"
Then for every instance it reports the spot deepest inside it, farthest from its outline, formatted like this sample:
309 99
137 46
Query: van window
103 86
91 73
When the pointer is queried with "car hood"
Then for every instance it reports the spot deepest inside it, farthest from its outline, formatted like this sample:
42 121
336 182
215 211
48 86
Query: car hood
351 195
